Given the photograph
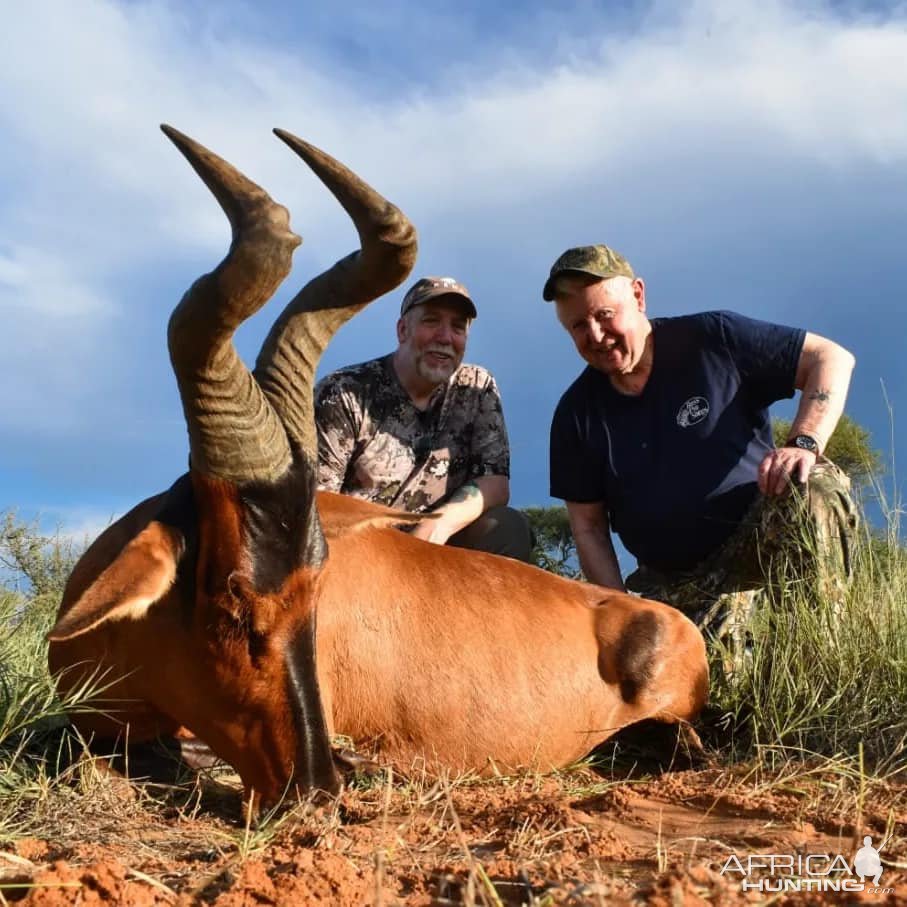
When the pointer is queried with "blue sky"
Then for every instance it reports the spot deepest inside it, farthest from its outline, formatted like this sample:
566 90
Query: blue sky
743 155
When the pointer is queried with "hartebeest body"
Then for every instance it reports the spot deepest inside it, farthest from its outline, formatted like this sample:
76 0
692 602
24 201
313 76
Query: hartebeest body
202 601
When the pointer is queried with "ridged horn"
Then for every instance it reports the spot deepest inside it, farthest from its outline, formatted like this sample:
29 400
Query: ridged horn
234 432
286 365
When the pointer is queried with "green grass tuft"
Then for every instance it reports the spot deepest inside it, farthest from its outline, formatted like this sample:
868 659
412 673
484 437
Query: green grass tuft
822 677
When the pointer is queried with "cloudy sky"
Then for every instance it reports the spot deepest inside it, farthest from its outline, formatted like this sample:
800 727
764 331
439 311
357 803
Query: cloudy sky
743 155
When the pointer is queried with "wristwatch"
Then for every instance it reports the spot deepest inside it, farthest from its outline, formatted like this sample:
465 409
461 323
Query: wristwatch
804 442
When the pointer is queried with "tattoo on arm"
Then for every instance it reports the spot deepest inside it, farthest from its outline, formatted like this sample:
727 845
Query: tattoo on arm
465 492
820 397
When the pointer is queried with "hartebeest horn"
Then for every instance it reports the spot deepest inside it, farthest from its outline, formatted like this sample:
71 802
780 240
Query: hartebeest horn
234 432
286 365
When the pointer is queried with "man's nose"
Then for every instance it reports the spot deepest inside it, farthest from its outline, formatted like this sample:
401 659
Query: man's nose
596 334
444 333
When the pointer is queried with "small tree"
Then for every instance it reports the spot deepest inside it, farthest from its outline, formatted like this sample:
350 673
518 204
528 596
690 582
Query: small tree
37 566
554 549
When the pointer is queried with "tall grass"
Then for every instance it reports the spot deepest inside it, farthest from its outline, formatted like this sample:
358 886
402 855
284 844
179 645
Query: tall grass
31 713
27 698
825 677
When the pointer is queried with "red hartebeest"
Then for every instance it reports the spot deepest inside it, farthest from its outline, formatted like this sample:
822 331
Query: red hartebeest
203 600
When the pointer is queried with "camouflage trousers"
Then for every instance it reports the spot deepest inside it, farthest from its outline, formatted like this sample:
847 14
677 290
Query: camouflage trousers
802 539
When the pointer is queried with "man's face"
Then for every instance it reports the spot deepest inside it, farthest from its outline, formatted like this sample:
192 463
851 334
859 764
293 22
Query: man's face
432 339
606 320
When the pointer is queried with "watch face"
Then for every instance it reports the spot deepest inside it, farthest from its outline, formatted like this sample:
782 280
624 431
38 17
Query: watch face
805 442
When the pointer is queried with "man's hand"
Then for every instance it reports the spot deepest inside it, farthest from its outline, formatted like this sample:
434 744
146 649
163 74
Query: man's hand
432 530
782 467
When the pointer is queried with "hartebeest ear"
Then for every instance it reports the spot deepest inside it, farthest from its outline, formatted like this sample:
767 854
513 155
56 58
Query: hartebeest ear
141 574
342 515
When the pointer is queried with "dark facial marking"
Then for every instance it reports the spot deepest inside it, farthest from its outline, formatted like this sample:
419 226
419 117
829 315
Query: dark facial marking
636 650
281 528
314 763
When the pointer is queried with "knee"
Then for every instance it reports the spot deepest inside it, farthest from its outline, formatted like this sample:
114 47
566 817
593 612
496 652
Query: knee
500 530
511 526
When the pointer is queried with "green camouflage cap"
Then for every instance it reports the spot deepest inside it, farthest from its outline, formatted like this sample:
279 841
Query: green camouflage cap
598 261
429 288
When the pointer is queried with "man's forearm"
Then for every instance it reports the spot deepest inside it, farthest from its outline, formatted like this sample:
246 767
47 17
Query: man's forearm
824 393
598 559
468 503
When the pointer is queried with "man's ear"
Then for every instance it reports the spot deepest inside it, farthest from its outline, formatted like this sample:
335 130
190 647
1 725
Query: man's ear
142 574
401 329
639 293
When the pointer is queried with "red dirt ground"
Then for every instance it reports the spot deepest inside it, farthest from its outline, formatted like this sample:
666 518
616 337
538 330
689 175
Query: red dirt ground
573 839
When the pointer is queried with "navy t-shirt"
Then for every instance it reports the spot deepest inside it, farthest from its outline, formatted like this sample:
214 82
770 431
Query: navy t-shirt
676 466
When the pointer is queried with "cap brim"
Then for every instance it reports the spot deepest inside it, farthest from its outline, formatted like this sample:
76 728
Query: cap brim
445 292
548 289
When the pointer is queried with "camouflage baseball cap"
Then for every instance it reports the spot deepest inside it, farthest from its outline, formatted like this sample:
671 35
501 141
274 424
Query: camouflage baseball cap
429 288
599 261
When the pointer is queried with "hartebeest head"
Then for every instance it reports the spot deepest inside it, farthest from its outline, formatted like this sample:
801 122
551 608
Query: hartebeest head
228 567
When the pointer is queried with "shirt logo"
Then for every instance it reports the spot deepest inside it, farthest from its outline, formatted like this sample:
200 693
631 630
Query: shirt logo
692 412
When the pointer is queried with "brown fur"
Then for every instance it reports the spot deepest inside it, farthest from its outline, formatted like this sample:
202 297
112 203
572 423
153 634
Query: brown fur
455 657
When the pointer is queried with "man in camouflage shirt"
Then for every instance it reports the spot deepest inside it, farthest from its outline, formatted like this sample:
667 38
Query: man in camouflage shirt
418 430
666 439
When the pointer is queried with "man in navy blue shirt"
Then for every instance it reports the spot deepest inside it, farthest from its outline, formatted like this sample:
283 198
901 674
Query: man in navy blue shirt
665 438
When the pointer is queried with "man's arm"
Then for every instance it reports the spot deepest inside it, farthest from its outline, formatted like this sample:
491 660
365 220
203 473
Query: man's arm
463 507
823 376
489 467
592 534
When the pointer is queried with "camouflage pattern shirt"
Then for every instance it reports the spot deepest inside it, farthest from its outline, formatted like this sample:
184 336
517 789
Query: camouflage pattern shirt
374 443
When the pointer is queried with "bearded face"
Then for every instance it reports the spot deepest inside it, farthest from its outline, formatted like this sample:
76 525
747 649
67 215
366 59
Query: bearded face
432 339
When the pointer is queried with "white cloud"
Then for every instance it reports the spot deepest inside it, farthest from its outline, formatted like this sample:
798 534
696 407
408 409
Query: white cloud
41 285
99 202
55 321
762 73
